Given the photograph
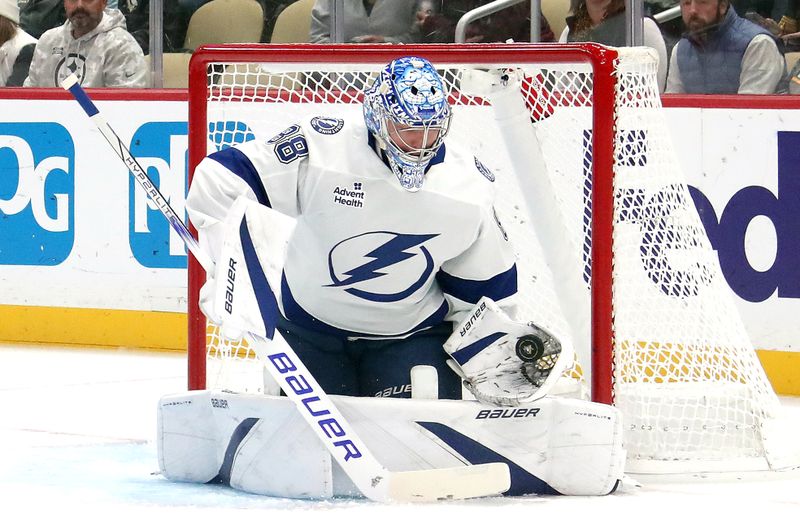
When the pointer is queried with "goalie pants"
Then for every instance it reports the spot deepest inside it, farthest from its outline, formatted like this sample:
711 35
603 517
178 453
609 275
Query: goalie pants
380 368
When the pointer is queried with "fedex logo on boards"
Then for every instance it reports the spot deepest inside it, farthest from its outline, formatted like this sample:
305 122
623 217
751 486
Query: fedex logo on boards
728 231
37 188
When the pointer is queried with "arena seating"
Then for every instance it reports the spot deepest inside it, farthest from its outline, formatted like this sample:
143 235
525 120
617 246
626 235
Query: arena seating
225 22
294 23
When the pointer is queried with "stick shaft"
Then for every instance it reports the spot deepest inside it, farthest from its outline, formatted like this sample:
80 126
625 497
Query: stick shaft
281 361
140 174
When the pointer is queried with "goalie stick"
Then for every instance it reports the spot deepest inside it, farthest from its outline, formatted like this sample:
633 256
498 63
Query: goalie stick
319 411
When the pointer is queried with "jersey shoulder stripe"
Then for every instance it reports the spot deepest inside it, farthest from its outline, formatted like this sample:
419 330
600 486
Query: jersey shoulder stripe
239 164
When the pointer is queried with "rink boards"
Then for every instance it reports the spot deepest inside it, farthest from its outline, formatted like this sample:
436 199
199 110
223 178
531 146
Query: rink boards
84 259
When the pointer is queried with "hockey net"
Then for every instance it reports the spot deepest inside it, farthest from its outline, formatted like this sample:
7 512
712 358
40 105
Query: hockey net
612 256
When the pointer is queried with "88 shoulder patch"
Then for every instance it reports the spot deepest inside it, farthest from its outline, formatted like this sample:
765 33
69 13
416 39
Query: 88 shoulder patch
489 175
292 129
326 124
290 145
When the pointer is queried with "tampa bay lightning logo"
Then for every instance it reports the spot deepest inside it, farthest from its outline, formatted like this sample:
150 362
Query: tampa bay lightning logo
381 266
326 125
484 170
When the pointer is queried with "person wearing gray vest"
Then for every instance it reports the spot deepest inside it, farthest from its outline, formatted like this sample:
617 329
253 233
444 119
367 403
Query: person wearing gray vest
722 53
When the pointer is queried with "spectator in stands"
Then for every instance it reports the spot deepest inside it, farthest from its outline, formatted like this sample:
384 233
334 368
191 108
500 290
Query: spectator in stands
791 42
766 12
175 22
794 79
777 16
272 8
603 21
94 45
176 18
511 23
722 53
368 21
37 16
16 46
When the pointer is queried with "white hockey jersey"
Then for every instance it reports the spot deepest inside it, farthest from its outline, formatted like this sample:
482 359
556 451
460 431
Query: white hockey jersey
366 258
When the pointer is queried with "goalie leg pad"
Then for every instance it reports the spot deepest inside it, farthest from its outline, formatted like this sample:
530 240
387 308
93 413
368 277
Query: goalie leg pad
261 444
187 439
254 446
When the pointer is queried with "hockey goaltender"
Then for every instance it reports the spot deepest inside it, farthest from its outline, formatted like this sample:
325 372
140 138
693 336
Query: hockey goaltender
389 298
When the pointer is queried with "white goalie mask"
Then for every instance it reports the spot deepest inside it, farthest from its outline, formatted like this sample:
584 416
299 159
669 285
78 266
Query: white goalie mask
406 110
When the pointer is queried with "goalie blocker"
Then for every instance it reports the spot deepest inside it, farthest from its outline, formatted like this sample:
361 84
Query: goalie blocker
260 444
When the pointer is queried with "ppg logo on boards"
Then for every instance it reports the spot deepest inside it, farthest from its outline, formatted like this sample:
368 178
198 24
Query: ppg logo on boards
161 148
37 188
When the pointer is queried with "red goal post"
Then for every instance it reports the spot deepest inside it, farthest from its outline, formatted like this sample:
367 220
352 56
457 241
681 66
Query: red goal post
600 59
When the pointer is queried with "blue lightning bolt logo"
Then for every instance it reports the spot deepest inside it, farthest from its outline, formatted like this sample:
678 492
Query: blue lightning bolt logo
387 254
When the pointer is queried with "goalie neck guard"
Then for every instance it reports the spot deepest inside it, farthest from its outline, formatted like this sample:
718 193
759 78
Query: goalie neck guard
406 110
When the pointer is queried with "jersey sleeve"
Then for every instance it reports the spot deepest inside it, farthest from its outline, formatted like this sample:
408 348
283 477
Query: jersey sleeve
486 268
268 172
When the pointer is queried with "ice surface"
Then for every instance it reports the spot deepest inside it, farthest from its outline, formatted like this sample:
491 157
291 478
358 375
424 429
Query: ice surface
78 428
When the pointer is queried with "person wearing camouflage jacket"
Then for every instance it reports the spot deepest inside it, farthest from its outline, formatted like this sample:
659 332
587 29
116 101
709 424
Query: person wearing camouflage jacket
94 44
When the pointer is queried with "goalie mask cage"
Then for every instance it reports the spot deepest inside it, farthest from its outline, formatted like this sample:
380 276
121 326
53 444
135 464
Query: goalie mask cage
612 256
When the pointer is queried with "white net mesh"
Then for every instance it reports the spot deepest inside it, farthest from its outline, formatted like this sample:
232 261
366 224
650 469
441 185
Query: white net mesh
685 374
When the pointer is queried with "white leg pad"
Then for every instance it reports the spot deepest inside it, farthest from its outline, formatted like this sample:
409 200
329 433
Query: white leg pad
254 446
187 439
261 444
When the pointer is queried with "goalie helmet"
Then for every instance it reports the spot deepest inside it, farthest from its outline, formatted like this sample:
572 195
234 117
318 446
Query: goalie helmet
406 110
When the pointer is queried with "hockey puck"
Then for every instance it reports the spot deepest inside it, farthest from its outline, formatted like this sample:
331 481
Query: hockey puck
529 348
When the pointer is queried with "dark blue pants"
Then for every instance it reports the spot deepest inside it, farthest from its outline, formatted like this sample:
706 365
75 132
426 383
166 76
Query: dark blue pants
373 367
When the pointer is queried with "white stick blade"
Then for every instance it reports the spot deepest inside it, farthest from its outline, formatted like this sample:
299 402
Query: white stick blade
473 481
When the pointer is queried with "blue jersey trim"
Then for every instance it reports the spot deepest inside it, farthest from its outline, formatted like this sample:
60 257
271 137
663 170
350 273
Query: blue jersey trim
295 313
239 164
522 481
496 288
439 158
267 303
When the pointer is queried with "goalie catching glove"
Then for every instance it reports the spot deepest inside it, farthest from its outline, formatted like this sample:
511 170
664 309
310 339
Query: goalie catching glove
504 362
